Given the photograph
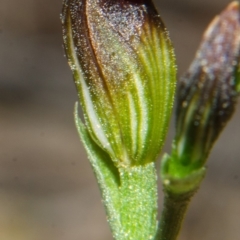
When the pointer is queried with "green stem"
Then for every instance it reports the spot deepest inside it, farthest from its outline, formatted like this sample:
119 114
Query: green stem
138 194
174 210
178 190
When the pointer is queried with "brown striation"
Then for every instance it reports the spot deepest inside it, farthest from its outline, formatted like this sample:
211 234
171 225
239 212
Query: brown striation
208 92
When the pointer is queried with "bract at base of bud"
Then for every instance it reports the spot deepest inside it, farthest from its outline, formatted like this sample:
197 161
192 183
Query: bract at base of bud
178 180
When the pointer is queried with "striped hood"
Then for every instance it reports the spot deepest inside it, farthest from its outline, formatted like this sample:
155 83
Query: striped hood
124 70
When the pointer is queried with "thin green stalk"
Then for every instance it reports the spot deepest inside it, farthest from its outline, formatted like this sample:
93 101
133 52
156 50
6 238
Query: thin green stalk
174 209
178 191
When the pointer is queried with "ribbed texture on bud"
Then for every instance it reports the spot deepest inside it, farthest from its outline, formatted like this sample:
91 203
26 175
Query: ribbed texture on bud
208 92
124 69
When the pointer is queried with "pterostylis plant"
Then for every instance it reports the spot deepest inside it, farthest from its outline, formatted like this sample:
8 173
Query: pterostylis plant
124 69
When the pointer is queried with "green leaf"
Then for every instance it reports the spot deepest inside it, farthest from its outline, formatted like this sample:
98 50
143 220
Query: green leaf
106 173
129 194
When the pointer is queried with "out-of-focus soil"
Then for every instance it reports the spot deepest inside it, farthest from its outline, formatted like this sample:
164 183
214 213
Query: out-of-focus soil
47 188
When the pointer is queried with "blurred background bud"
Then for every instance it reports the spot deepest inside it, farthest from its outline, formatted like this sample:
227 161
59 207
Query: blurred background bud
208 92
124 69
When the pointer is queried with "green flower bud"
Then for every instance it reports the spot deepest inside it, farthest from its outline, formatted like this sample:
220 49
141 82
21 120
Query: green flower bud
208 92
124 70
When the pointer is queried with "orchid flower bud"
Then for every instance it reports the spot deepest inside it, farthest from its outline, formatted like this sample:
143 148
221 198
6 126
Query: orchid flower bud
124 70
208 92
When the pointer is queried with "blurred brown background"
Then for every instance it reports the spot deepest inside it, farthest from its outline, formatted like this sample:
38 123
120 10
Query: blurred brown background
47 188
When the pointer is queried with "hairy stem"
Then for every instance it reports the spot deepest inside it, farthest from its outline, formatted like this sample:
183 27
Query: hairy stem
138 193
174 210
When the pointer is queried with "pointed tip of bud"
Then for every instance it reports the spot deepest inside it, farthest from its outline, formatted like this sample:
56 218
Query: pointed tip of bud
233 6
225 23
